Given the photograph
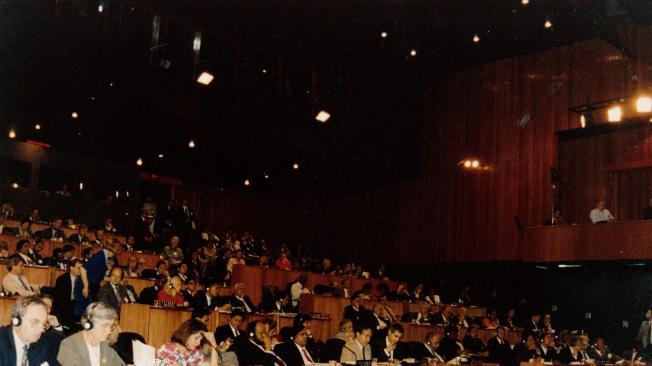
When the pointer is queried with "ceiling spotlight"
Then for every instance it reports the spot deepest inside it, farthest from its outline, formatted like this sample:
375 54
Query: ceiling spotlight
295 166
247 183
117 194
266 176
81 186
413 53
525 2
615 114
139 162
467 163
100 8
74 115
37 126
191 144
264 71
205 78
547 24
476 39
582 121
475 164
644 104
12 134
161 156
383 34
323 116
14 185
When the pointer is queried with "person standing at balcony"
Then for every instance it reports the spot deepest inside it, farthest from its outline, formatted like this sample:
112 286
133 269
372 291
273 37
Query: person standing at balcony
600 214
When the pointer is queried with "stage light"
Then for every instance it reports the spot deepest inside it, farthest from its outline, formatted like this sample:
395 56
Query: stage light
266 176
476 39
139 162
161 156
323 116
196 44
295 166
81 186
413 53
547 24
37 127
582 121
117 194
467 163
525 2
475 164
264 71
615 114
383 34
14 185
205 78
644 104
191 144
12 134
247 183
74 115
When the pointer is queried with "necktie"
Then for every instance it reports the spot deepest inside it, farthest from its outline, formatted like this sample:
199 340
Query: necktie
20 278
307 355
23 359
364 356
117 294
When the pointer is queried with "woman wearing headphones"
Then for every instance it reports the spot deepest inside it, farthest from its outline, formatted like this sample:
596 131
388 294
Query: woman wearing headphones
172 294
90 347
185 346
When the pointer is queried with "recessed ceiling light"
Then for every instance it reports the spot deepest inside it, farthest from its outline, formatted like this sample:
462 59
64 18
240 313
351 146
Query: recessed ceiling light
12 134
476 39
74 115
547 24
205 78
37 126
191 144
323 116
139 162
413 53
383 34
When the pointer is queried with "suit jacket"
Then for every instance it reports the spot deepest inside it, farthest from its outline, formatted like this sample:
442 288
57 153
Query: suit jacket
96 268
74 352
499 353
351 352
448 348
107 294
378 346
237 304
199 301
291 355
76 238
438 319
422 351
50 233
566 356
356 317
64 306
224 331
549 355
473 344
250 354
37 353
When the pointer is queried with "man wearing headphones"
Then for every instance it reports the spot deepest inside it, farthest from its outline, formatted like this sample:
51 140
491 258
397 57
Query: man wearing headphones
257 350
18 341
114 293
91 346
358 349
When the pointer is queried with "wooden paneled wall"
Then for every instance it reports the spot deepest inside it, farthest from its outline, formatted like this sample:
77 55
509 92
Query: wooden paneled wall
506 114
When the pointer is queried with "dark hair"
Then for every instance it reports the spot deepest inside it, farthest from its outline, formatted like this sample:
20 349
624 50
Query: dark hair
573 342
13 261
68 248
186 329
240 313
200 312
251 327
74 261
396 327
361 327
430 336
21 244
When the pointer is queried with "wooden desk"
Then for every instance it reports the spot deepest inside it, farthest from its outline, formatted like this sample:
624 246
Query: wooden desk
35 275
255 278
6 306
417 333
626 240
66 231
333 306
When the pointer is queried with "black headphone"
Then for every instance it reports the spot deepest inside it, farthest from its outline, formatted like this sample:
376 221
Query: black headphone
88 323
16 320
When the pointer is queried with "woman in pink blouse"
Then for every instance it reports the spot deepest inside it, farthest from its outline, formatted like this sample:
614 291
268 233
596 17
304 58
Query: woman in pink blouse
185 346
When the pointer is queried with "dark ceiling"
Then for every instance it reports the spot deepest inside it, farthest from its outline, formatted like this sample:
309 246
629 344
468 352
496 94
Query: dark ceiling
276 64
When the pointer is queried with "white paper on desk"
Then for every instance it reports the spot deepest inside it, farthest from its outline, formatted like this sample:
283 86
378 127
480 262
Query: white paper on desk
144 354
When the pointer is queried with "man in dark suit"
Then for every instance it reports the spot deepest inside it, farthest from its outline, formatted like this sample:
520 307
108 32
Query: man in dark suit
355 311
149 294
54 232
294 352
209 300
114 293
547 349
430 348
19 342
444 316
388 348
238 299
97 266
450 346
81 236
232 330
644 335
276 303
571 355
499 350
257 349
67 288
185 221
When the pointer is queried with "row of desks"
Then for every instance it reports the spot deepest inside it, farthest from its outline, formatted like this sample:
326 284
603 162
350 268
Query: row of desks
67 231
47 276
255 278
50 245
334 306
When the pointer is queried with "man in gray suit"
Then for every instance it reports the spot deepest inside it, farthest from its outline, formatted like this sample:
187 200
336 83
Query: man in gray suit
114 293
91 346
644 335
358 349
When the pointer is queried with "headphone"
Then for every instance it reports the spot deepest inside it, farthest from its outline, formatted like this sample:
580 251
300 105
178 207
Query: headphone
87 319
20 306
16 320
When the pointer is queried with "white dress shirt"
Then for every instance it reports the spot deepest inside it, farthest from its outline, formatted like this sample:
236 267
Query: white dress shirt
598 215
19 348
303 351
12 284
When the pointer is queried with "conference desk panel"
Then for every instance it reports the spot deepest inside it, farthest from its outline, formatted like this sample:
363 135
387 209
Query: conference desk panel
10 223
626 240
6 305
255 278
36 275
418 332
